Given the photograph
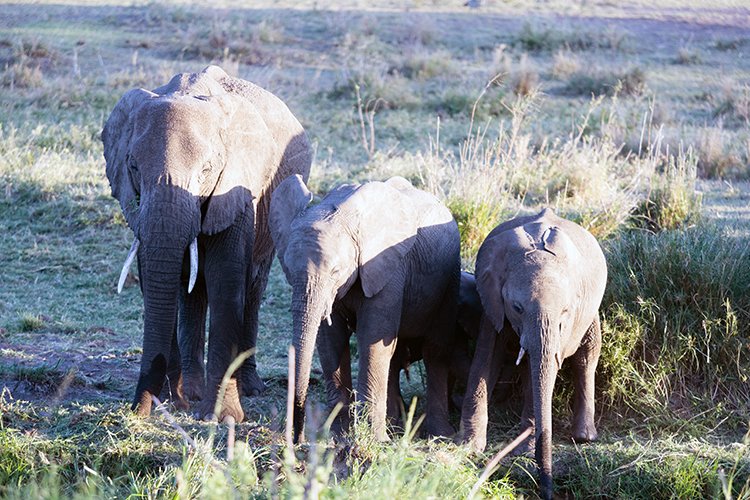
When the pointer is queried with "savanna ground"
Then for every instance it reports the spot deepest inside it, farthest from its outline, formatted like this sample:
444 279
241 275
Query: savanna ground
632 119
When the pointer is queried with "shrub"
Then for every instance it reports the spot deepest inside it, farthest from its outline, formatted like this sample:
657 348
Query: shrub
627 83
565 63
537 37
22 75
524 79
687 56
716 159
424 66
676 322
672 202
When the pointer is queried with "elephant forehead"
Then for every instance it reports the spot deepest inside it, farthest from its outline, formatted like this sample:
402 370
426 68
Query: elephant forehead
547 283
189 113
175 128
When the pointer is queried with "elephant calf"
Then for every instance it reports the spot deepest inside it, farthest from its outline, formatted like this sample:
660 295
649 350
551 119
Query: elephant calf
541 278
379 259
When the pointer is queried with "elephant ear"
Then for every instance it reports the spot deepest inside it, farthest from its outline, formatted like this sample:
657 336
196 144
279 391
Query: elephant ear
556 241
288 200
388 227
116 137
249 154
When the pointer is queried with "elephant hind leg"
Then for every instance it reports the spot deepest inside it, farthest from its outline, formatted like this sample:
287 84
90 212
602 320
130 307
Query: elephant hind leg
584 361
252 384
172 389
191 335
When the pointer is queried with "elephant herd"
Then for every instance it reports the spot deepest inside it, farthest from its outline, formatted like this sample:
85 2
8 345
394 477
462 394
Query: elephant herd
211 171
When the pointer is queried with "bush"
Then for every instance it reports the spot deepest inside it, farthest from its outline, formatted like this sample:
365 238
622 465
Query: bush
676 334
628 83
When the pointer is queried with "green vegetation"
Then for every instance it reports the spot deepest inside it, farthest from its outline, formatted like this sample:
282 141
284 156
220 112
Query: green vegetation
615 122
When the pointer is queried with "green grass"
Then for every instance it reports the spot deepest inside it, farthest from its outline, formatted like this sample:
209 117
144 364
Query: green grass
490 110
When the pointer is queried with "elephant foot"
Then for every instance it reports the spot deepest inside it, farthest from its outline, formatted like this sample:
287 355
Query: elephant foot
438 429
584 432
192 387
475 443
173 393
230 406
252 384
526 447
142 404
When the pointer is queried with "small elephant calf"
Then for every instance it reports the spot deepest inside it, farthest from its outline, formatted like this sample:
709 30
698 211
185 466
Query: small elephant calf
541 278
380 259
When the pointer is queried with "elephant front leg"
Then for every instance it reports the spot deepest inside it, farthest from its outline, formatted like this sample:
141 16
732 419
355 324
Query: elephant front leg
223 348
584 361
335 360
375 352
478 388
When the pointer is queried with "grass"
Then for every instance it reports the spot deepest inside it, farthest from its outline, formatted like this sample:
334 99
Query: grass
496 118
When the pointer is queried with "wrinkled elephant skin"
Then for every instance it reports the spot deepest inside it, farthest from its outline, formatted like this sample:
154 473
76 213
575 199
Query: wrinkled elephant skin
380 259
540 278
193 165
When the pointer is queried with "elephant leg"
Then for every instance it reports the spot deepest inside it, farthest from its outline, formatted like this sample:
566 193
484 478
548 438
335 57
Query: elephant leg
252 384
335 360
191 335
225 273
474 409
172 389
395 403
584 361
376 343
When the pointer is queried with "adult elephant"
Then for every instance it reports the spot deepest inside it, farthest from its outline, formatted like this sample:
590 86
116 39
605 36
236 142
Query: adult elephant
541 280
193 165
382 260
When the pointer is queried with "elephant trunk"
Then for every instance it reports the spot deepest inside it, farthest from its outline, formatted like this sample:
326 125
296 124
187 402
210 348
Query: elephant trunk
544 367
308 309
167 225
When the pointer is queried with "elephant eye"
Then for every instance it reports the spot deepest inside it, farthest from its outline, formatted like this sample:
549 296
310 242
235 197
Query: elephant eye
518 307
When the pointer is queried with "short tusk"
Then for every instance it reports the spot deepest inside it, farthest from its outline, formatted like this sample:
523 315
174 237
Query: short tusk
328 319
559 361
127 264
520 356
193 264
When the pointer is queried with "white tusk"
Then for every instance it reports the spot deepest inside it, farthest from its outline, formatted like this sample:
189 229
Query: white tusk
193 264
559 361
520 356
328 319
128 263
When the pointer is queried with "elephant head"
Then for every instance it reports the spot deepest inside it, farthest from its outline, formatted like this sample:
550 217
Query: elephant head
180 164
534 276
357 233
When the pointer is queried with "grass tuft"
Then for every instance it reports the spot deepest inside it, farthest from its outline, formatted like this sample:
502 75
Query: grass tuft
631 82
673 310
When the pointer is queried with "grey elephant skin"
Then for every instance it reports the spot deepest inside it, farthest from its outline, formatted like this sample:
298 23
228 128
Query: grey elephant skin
540 278
193 165
380 259
468 316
